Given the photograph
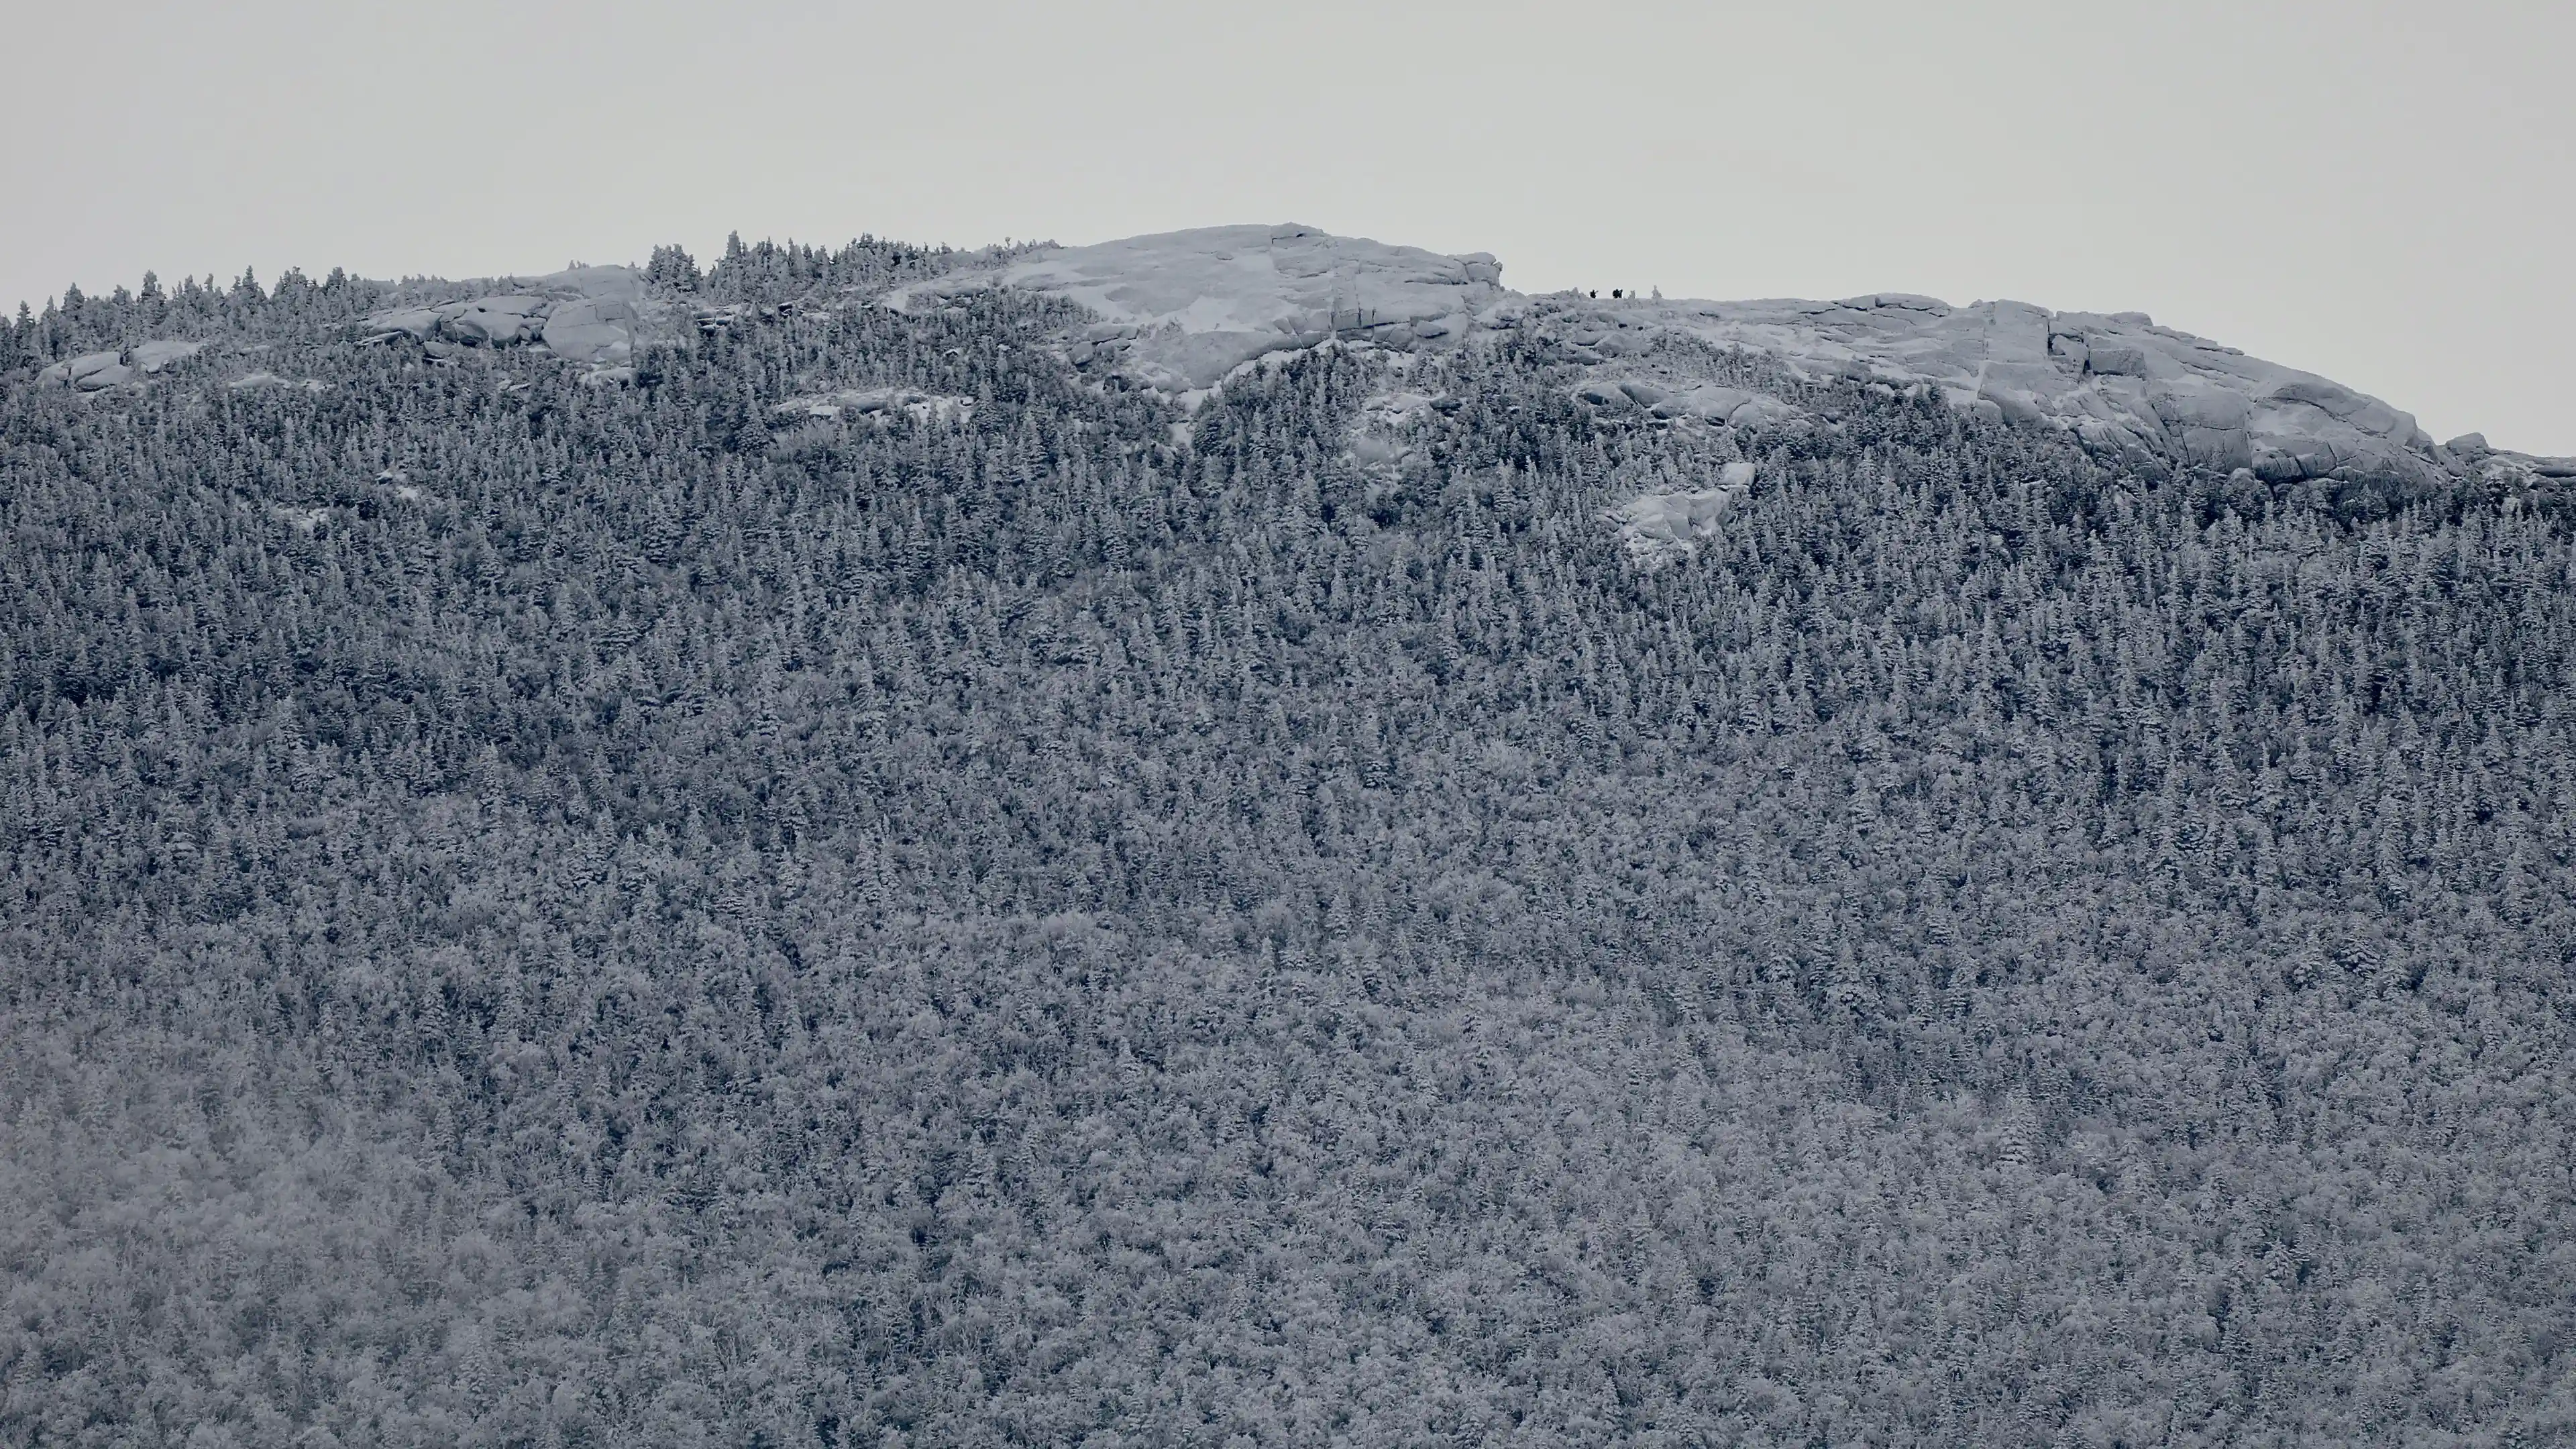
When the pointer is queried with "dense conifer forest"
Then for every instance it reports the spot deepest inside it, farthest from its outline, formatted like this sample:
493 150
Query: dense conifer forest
561 915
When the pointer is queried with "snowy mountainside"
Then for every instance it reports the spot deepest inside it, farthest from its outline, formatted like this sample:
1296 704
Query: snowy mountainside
1518 869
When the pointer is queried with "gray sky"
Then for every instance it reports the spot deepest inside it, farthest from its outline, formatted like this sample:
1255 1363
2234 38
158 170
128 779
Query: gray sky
2378 192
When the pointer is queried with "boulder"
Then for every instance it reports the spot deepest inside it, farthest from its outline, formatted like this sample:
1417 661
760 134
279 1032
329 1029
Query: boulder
76 371
587 314
494 321
92 371
598 284
2011 404
98 371
599 332
417 322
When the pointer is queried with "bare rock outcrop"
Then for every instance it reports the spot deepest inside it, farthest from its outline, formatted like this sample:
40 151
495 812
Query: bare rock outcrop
1655 526
1180 310
587 315
2122 385
99 371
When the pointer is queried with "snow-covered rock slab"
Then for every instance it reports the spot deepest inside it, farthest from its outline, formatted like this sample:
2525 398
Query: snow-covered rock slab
2125 386
1180 310
2509 469
497 321
89 372
99 371
587 315
599 331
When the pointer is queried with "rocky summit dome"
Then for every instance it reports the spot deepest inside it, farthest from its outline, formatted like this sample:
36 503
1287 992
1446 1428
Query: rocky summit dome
1179 310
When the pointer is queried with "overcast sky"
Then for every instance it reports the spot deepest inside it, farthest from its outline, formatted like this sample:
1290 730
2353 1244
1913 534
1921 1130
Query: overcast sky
2376 192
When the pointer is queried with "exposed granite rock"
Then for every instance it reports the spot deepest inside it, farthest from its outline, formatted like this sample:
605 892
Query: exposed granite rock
1661 525
587 315
1180 310
99 371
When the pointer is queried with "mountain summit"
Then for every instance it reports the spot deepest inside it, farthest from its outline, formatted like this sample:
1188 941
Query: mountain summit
1181 309
1248 838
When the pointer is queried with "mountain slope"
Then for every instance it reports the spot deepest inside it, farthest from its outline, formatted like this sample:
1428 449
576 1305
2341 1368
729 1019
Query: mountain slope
895 877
